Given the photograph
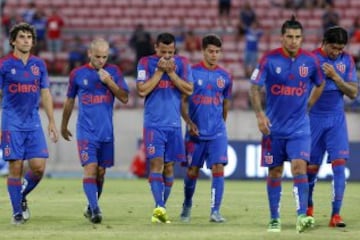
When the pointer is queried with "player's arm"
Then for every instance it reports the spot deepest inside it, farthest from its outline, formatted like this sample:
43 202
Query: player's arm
193 130
184 86
68 108
144 88
118 92
48 106
350 89
226 107
255 98
315 94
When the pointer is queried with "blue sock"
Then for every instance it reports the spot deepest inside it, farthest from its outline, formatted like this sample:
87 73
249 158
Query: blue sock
14 189
168 182
157 188
274 194
217 191
189 189
90 189
100 184
339 183
29 183
312 178
301 193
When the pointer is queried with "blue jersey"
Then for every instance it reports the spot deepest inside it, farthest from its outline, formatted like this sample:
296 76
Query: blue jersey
96 101
288 83
211 87
21 86
162 105
331 101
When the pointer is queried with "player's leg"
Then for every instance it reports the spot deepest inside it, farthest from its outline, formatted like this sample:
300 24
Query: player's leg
299 152
168 175
12 144
273 159
14 189
190 180
318 148
216 160
338 149
37 152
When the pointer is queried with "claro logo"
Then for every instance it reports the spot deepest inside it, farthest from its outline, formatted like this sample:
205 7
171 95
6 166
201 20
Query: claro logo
23 88
282 90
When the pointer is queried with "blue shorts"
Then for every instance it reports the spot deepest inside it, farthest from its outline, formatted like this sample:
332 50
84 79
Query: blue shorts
277 150
24 145
212 151
91 151
328 134
166 143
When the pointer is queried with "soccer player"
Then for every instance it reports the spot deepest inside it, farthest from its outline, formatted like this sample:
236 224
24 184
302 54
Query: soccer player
327 117
287 73
24 81
96 84
162 78
205 114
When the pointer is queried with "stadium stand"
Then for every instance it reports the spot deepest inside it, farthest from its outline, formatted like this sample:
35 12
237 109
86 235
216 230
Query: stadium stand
116 19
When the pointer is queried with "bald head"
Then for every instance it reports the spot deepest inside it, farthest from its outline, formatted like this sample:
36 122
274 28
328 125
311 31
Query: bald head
98 53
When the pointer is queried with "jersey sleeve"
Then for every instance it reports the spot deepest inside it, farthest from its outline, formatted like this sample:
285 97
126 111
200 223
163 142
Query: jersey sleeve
228 87
120 80
351 74
142 70
44 77
258 76
72 88
185 70
318 75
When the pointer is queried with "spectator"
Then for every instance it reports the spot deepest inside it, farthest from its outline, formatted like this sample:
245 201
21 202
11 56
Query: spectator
39 23
77 53
252 37
7 22
247 15
141 42
354 31
330 17
224 13
192 42
55 23
29 12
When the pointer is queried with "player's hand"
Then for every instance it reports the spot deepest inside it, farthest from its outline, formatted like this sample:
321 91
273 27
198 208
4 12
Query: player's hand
329 71
104 75
263 123
162 64
66 134
53 133
170 65
193 129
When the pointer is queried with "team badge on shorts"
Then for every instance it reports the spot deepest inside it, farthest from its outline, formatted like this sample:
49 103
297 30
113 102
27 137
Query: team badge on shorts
268 159
7 151
150 150
84 156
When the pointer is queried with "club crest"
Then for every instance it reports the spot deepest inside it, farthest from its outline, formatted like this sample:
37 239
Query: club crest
13 71
303 71
341 67
7 151
268 159
35 70
278 70
150 150
220 82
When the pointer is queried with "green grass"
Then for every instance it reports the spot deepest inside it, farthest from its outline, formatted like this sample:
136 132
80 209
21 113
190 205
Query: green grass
57 206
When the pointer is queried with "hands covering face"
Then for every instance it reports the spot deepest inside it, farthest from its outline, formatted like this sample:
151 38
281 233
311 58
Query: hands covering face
166 65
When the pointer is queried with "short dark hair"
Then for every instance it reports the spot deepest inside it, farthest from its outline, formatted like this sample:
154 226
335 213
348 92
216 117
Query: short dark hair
165 38
25 27
336 35
211 39
292 23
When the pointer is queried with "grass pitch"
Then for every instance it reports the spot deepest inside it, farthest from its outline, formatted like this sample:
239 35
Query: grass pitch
57 212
